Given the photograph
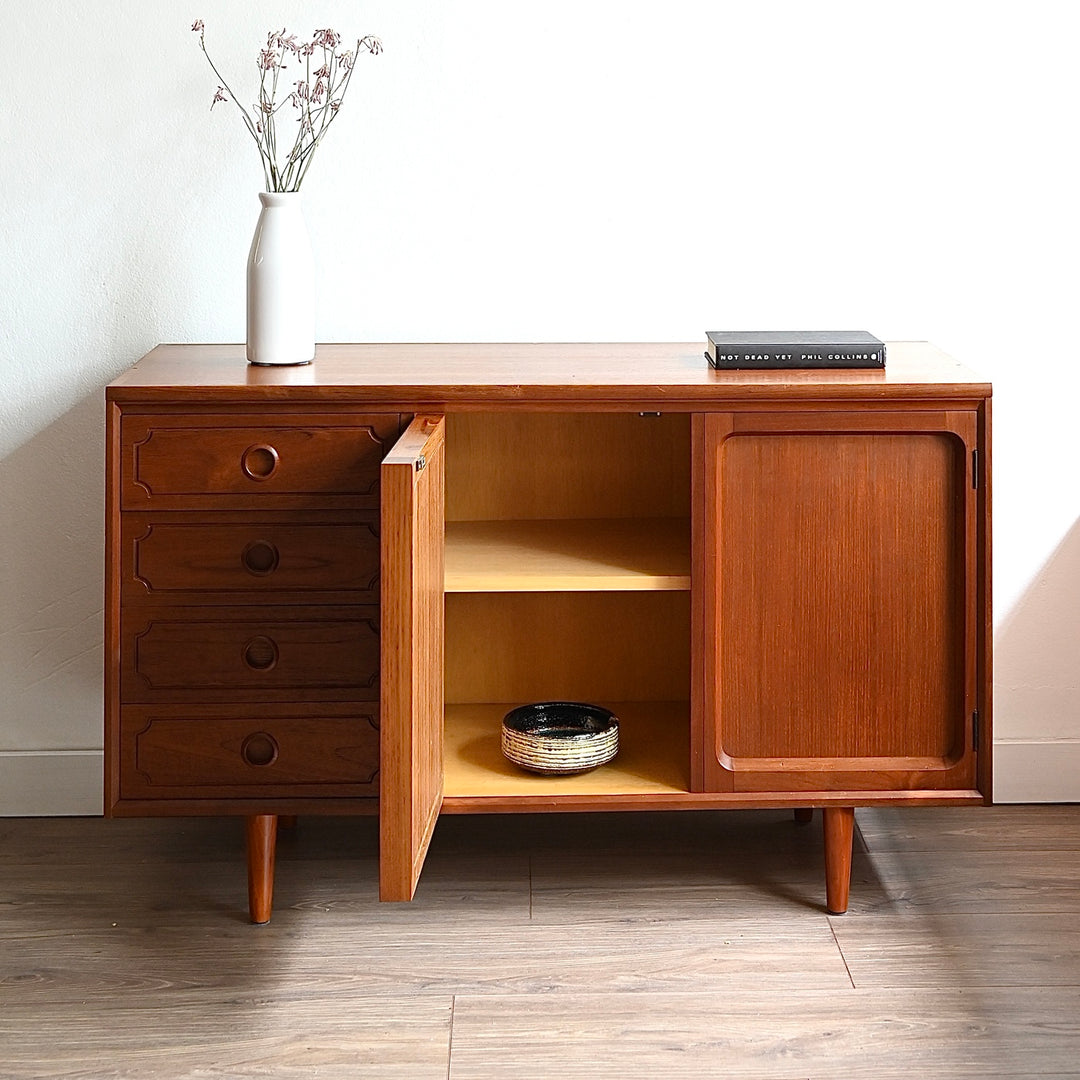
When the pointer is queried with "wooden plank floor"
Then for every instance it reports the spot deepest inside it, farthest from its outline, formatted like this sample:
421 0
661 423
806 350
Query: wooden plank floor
580 946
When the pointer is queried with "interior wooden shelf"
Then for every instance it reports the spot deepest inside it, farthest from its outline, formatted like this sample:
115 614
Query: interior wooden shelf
654 754
617 554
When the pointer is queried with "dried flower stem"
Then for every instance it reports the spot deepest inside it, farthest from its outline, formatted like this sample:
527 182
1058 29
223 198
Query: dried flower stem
317 103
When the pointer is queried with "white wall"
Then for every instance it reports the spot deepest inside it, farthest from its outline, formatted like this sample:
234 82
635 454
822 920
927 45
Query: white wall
581 169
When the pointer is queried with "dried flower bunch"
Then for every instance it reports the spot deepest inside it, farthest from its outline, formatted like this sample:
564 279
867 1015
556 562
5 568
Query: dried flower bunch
316 98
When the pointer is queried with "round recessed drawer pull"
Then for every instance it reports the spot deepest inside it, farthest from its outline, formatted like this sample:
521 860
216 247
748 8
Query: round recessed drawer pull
259 462
260 653
260 557
259 749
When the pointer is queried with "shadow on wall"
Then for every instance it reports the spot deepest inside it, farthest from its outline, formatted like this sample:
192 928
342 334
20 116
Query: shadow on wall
51 584
1037 653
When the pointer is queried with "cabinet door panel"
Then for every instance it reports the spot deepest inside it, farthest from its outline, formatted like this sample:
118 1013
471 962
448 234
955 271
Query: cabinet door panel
411 774
840 619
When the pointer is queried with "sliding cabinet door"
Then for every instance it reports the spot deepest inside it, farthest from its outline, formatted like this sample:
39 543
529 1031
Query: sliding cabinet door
840 601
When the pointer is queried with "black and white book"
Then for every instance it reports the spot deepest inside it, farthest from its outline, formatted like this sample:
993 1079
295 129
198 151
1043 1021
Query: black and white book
794 349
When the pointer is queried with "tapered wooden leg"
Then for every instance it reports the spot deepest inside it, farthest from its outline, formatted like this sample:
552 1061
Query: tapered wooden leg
839 823
261 840
804 815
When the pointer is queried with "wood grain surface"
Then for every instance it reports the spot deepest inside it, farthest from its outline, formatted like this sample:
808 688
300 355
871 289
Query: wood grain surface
653 754
289 460
432 374
869 1035
559 646
842 599
604 946
580 554
412 642
250 558
506 466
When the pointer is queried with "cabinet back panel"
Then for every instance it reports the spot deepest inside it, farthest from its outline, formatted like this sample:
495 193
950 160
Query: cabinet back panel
571 465
841 610
520 647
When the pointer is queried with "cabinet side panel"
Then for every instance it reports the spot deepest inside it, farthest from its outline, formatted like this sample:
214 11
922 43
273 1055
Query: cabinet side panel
112 606
986 620
702 582
841 608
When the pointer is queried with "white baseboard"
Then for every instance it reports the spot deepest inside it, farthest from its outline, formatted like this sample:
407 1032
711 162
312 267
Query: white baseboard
1037 772
51 783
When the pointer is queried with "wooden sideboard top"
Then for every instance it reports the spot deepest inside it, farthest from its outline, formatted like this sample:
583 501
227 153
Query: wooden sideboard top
436 374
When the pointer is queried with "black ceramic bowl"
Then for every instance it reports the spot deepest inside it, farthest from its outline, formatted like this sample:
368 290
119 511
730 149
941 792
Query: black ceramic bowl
558 738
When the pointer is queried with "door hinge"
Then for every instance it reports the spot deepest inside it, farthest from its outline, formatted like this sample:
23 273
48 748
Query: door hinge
975 728
974 468
421 463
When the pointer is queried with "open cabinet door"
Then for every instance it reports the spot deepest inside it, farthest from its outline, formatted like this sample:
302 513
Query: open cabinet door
411 737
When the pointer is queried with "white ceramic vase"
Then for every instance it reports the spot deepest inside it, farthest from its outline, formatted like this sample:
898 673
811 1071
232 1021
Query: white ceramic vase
281 284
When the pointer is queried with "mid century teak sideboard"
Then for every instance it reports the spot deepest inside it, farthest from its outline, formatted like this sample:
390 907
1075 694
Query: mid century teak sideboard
327 584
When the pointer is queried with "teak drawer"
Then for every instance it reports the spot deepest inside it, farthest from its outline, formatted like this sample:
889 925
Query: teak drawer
194 654
208 752
219 557
179 461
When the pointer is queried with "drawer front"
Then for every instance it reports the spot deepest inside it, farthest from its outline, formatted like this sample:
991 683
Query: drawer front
207 654
171 557
174 752
297 460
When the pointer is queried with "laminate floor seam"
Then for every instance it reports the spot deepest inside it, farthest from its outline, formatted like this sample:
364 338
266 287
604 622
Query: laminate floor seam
840 950
450 1038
